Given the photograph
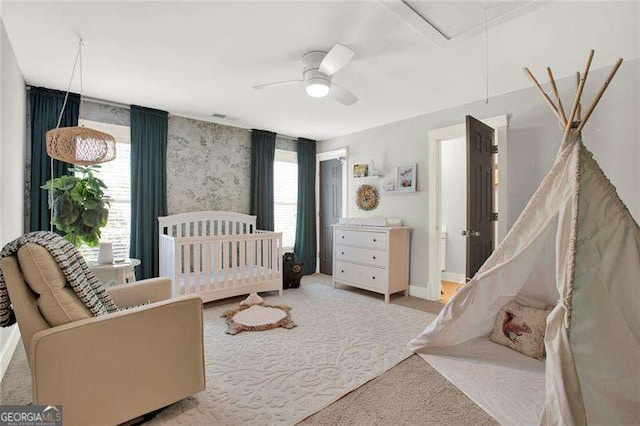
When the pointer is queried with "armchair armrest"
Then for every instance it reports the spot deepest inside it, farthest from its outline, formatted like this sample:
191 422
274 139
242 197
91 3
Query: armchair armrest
115 367
151 290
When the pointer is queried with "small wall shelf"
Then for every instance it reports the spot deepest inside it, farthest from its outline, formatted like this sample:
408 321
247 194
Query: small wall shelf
395 191
367 177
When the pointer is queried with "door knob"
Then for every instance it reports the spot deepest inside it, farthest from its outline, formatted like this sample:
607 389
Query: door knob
470 233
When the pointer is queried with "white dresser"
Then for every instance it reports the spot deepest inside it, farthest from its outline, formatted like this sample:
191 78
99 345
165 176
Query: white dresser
374 258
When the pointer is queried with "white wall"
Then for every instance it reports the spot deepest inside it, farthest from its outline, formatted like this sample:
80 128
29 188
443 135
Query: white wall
453 202
12 147
533 139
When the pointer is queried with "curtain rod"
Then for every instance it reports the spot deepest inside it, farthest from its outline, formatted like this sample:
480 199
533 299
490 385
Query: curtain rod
125 106
99 101
104 102
280 135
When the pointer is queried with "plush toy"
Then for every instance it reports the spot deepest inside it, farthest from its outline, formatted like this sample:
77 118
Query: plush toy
292 271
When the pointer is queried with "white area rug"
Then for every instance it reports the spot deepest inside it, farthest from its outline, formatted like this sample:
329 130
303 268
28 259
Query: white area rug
506 384
282 376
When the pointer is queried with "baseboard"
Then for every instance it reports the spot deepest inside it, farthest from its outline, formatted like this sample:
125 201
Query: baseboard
8 350
453 277
420 292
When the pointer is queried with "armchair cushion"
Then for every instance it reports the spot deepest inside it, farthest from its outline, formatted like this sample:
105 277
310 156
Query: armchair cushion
145 291
57 301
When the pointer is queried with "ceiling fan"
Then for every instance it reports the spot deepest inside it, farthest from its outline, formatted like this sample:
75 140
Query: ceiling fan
319 68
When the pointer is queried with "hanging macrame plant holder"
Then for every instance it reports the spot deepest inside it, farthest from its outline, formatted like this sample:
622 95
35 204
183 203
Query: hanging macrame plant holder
78 144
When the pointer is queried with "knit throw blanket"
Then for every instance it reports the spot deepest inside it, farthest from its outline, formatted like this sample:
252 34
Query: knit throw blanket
85 284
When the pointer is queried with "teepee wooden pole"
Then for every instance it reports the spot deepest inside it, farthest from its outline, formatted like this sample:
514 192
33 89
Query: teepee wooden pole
558 100
600 93
576 99
579 110
543 94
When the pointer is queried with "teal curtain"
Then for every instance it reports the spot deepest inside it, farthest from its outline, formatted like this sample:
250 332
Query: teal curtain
305 246
263 153
148 185
44 109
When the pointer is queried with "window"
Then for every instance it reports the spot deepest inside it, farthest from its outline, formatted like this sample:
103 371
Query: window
116 175
285 194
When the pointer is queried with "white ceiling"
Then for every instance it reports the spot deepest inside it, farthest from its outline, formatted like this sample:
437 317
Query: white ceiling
196 59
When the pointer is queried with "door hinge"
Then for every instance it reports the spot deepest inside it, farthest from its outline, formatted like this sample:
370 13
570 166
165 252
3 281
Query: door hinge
494 217
494 149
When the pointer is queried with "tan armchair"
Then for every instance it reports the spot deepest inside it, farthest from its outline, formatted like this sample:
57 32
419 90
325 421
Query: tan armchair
112 368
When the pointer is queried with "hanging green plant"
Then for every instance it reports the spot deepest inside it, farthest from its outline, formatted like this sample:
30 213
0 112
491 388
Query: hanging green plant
78 205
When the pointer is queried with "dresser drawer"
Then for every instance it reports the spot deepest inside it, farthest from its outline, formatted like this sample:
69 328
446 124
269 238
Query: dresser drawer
376 240
361 275
361 255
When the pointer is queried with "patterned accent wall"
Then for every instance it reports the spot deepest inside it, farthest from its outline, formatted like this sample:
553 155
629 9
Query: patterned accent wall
208 167
208 164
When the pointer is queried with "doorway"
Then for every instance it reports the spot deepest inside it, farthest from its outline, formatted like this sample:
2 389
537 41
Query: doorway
330 210
331 202
467 223
461 238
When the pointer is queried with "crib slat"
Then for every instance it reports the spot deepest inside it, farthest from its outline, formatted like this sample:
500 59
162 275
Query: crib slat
186 264
234 263
196 267
216 266
251 245
262 270
206 258
225 264
274 257
243 263
177 272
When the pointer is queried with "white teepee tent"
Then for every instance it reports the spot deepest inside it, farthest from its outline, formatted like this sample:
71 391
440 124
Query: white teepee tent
575 247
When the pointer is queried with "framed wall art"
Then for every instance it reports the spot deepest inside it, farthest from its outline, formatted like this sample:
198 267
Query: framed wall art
406 178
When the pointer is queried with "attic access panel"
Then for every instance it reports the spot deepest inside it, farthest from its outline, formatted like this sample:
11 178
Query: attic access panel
453 19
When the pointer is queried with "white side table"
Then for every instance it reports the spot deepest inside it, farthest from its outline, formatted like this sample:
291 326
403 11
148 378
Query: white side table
120 272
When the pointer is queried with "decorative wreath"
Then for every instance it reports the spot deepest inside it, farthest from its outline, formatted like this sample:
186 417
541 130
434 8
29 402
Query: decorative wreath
367 198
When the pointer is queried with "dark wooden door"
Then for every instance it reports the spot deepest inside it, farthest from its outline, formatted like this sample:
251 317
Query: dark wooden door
330 210
480 223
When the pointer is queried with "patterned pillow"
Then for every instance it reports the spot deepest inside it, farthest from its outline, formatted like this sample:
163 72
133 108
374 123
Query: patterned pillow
521 328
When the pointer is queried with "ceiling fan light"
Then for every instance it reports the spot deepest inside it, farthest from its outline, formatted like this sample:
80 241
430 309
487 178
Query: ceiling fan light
317 89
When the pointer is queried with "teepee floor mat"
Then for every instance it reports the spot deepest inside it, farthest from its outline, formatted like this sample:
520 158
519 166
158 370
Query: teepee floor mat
506 384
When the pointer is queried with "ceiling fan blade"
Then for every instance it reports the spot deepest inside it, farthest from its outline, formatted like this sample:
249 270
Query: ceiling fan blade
342 95
277 84
336 59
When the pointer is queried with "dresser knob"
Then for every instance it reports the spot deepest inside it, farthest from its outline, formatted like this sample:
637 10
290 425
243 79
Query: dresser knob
373 278
342 252
342 237
374 240
374 258
342 271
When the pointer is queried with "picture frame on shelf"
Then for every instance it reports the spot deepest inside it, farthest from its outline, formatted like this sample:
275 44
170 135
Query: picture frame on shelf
406 177
360 170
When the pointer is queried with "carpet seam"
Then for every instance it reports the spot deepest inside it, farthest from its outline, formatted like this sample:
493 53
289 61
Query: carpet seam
341 395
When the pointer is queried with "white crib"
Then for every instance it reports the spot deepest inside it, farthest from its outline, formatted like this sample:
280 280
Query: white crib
219 254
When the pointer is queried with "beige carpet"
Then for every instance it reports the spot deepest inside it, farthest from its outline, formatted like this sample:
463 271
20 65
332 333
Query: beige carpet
410 393
282 376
